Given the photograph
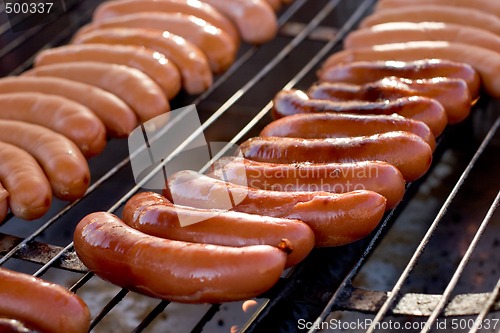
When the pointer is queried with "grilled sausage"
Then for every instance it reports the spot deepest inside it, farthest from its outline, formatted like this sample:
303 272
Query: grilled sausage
4 203
453 94
41 305
137 89
485 62
62 115
361 72
406 151
429 111
190 60
60 159
402 32
487 6
221 228
196 8
379 177
193 273
255 19
275 4
436 13
344 125
329 229
116 115
217 45
29 190
151 63
13 326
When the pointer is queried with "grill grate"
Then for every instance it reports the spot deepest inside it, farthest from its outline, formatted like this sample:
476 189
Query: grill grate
311 291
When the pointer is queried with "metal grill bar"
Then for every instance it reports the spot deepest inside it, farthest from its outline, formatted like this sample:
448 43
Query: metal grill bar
394 293
465 259
489 305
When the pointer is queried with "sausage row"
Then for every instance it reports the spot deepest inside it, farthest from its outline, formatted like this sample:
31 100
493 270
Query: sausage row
121 69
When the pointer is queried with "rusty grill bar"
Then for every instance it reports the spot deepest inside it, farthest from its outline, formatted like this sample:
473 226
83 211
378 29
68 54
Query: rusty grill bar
329 282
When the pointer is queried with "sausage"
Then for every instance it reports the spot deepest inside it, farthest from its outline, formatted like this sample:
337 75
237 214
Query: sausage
361 72
406 151
402 32
275 4
29 190
61 160
217 45
191 273
219 228
196 8
137 89
190 60
429 111
487 6
41 305
4 203
151 63
116 115
379 177
325 213
453 94
344 125
13 326
436 13
255 19
60 114
485 62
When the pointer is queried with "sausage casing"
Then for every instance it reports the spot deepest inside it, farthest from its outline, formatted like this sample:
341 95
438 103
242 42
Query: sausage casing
41 305
192 273
152 63
379 177
218 228
427 110
360 72
137 89
115 114
30 194
71 119
4 204
452 94
62 161
406 151
191 61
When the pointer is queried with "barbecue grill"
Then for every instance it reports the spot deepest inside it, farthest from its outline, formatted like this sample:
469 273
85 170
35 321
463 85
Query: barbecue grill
434 259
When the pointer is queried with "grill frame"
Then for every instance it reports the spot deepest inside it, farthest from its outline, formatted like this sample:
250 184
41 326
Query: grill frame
289 301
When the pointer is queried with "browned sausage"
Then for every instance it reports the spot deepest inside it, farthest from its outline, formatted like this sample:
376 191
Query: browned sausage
484 61
255 19
330 229
62 115
191 7
192 273
217 45
427 110
191 61
29 190
115 114
137 89
379 177
61 160
220 228
150 62
360 72
453 94
407 151
4 203
41 305
344 125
